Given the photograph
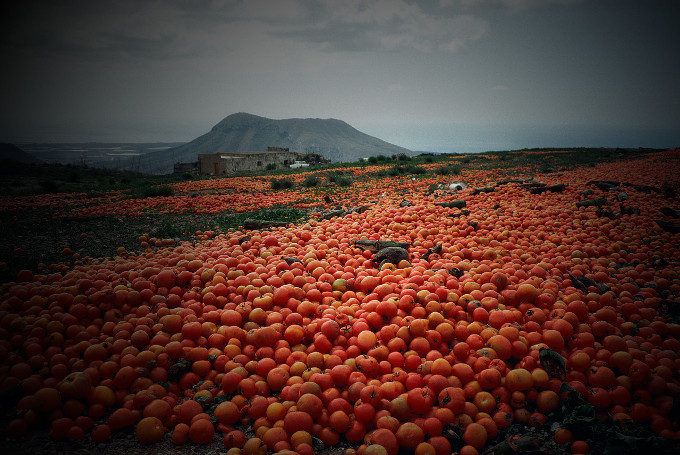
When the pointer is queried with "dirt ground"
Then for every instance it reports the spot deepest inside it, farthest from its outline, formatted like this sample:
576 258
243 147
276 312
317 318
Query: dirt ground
29 238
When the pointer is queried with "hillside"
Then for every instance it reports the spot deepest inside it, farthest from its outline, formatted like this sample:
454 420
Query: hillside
243 132
13 153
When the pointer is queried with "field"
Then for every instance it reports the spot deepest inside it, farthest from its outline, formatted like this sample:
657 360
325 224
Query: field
374 308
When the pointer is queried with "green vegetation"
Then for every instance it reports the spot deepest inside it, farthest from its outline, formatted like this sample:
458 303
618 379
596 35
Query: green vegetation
276 214
310 181
377 159
19 179
281 184
398 170
451 169
171 230
343 181
157 191
338 178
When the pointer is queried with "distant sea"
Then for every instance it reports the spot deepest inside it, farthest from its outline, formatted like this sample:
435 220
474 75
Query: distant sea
479 138
95 154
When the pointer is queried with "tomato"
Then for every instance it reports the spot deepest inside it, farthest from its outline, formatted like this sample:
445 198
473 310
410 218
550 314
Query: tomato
76 385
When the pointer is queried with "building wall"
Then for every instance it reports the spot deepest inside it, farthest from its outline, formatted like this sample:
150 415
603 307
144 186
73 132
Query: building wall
233 163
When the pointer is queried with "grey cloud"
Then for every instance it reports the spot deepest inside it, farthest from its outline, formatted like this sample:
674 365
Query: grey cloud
382 25
107 29
512 4
193 29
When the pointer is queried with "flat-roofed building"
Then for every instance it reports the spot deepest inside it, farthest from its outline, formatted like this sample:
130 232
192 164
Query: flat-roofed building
232 163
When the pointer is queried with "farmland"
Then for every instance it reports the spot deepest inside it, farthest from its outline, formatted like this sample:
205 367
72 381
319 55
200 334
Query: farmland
536 306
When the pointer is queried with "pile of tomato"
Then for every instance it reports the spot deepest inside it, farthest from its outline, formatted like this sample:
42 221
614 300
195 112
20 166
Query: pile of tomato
274 340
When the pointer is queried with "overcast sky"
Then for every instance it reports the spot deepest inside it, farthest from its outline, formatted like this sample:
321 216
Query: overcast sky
441 75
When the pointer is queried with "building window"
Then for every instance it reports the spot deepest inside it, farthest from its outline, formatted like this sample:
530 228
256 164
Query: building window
259 163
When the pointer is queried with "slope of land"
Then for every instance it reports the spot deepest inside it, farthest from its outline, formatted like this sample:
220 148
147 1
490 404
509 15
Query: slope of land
10 152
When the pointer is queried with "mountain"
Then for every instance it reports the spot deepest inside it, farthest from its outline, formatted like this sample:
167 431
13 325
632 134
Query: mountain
13 153
334 139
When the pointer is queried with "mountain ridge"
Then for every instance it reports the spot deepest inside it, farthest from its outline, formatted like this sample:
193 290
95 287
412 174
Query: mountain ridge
244 132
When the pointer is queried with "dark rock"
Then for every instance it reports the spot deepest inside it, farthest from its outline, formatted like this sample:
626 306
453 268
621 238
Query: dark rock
605 185
643 188
628 210
605 212
377 245
670 212
391 255
530 185
605 182
487 189
457 204
668 226
553 189
506 181
597 202
461 213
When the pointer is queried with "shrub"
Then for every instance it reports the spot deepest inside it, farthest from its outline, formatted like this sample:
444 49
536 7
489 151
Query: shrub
270 166
343 181
448 170
338 178
416 170
158 191
282 184
310 181
49 186
73 177
394 171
